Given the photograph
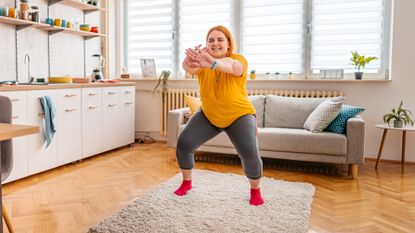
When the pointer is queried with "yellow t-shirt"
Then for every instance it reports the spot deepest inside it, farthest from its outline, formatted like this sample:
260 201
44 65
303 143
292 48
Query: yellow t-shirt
224 98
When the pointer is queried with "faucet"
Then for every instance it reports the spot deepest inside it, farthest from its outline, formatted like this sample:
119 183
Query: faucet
29 78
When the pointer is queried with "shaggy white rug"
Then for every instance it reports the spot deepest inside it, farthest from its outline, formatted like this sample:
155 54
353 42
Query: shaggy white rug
217 203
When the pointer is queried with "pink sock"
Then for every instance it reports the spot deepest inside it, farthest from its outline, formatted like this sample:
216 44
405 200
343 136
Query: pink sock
184 187
256 198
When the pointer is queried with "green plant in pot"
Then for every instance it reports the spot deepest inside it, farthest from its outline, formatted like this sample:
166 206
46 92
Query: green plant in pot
400 116
360 61
162 80
252 74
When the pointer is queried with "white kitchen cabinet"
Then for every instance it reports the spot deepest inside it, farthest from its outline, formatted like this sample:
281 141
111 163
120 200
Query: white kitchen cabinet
91 121
110 118
19 116
127 115
40 157
69 123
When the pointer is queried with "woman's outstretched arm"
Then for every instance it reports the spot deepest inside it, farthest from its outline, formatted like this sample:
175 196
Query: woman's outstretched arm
226 64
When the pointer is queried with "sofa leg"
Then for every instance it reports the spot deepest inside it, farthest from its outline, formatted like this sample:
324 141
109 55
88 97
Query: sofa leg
353 170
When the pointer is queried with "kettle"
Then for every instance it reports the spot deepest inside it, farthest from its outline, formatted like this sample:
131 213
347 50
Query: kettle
97 71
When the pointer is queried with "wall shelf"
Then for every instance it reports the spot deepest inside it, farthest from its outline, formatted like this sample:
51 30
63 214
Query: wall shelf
21 23
55 29
78 5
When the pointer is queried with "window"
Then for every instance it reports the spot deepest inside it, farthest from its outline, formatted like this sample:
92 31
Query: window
298 36
273 35
341 26
196 17
149 34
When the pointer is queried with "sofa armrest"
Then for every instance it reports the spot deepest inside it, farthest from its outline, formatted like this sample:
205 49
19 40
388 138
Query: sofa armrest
174 120
355 140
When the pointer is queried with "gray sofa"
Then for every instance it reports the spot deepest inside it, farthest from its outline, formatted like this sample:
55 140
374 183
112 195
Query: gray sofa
281 135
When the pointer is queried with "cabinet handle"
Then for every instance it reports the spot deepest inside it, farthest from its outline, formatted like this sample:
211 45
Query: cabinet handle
70 110
92 107
41 114
70 95
15 117
128 103
127 92
112 92
111 105
93 94
14 100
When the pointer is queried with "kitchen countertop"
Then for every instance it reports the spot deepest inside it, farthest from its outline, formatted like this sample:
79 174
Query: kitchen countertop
62 86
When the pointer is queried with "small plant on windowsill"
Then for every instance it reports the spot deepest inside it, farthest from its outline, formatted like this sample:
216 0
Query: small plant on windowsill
277 75
162 80
359 62
400 116
252 74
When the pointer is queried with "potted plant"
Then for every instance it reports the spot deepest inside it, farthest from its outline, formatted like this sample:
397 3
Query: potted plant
400 116
277 75
162 80
360 62
252 74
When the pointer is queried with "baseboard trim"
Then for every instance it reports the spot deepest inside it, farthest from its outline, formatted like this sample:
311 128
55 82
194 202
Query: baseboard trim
153 134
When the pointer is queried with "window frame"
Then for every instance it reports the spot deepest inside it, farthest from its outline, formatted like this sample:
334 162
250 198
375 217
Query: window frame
385 65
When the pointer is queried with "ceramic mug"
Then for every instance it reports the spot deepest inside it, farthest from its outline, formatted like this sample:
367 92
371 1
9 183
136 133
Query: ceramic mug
58 22
12 13
49 21
63 23
4 11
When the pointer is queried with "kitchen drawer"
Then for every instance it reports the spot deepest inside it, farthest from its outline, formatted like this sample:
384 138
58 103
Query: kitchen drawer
91 97
19 105
127 94
110 96
68 99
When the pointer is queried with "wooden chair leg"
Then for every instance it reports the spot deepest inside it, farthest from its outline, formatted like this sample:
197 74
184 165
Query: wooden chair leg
7 219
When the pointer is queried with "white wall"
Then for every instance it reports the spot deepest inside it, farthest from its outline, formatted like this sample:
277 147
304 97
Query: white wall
377 97
67 53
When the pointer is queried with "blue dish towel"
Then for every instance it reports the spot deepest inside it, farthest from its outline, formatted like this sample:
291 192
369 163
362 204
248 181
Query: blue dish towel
48 123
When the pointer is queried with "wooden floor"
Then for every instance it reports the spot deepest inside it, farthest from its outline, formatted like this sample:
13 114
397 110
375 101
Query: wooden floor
74 197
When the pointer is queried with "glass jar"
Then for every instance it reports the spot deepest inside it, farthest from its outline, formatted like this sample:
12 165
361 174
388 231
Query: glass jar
35 14
24 10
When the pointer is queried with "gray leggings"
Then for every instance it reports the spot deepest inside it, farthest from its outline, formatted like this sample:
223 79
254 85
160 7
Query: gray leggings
241 132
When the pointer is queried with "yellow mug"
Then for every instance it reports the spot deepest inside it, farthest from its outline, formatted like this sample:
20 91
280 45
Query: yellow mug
12 12
57 22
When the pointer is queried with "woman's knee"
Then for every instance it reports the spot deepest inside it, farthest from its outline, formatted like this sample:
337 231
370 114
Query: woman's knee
184 145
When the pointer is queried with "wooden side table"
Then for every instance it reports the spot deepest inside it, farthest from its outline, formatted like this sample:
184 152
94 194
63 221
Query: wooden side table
385 128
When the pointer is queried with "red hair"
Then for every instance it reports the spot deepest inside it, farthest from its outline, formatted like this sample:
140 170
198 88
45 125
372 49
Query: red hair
229 37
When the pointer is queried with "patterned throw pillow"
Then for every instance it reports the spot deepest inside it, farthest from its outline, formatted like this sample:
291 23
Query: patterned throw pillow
322 116
339 124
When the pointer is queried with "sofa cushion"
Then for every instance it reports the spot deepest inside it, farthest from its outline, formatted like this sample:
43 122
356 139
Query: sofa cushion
322 116
259 104
338 125
193 103
302 141
291 112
